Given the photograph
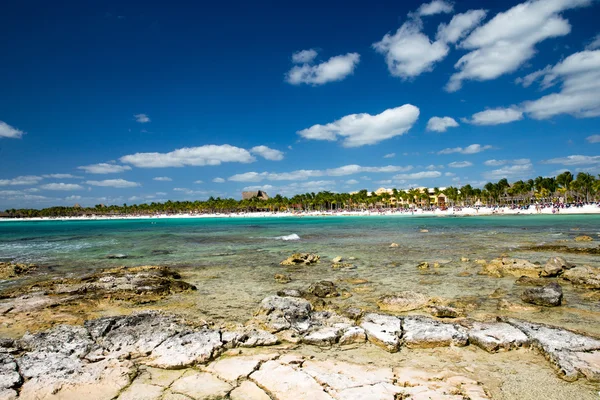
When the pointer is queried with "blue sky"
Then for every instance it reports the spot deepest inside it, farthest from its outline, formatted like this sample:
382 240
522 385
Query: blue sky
129 102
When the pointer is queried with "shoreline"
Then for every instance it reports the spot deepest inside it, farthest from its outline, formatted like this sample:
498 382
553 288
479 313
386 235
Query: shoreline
451 212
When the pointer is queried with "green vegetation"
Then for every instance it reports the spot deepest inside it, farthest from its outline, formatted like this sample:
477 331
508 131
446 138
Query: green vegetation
583 188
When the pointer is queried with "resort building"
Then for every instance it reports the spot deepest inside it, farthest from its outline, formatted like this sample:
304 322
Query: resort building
258 194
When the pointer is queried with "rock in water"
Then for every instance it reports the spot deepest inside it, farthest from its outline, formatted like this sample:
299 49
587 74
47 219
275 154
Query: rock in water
501 267
402 301
393 245
555 266
550 295
323 289
282 278
337 260
301 259
14 270
583 238
585 276
496 336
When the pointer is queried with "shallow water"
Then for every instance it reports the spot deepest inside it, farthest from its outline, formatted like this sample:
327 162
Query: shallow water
233 260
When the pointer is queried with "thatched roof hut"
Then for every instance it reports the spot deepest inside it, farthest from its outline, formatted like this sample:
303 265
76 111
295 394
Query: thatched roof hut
259 194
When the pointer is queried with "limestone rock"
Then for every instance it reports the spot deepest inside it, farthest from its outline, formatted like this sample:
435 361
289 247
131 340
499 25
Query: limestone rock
393 245
201 385
282 278
279 313
501 267
325 336
555 266
340 376
441 311
142 391
423 265
9 270
353 335
402 301
233 368
301 259
323 289
337 260
185 349
585 276
248 391
549 296
506 305
383 330
426 333
290 293
9 374
527 281
496 336
584 238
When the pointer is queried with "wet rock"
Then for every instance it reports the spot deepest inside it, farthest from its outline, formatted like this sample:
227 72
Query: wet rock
343 266
353 335
555 266
402 301
159 252
117 256
584 276
584 238
337 260
279 313
383 330
301 259
440 311
424 332
290 293
10 270
323 289
185 349
557 248
464 259
501 267
496 336
393 245
423 265
527 281
549 296
282 278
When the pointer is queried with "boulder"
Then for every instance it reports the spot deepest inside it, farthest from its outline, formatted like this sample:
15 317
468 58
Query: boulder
505 266
323 289
496 336
586 276
549 296
383 330
424 332
279 313
301 259
555 266
402 301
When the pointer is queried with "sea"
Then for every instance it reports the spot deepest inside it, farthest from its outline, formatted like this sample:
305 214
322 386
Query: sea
233 261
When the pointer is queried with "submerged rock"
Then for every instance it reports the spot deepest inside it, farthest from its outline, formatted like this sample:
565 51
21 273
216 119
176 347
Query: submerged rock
586 276
402 301
301 259
527 281
9 270
549 296
323 289
557 248
282 278
505 266
584 238
555 266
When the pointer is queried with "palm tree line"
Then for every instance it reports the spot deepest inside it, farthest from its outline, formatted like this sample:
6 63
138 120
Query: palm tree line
565 187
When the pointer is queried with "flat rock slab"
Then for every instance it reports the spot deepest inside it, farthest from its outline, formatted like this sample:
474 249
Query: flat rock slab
496 336
248 391
383 330
185 349
201 385
234 368
340 375
426 332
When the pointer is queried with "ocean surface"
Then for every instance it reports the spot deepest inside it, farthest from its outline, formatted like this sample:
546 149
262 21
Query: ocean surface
233 260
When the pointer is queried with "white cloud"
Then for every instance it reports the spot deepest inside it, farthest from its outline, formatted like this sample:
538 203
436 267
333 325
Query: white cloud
363 129
218 180
61 186
418 175
593 139
162 179
190 156
116 183
460 25
17 195
7 131
574 160
267 153
104 168
21 180
351 182
513 171
594 43
141 118
471 149
449 174
390 155
496 116
198 182
460 164
441 124
508 40
304 56
335 69
434 7
62 176
304 174
497 163
73 198
578 95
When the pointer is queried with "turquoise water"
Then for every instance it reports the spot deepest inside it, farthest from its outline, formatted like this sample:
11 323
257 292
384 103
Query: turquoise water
233 260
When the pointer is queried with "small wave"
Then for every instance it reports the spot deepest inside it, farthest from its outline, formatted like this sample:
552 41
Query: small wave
293 236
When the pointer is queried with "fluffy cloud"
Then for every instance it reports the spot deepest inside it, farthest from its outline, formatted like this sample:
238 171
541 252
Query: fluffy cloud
115 183
62 176
459 26
390 155
190 156
218 180
104 168
267 153
496 116
434 7
460 164
574 160
471 149
304 174
304 56
508 40
593 139
352 182
363 129
579 75
61 186
7 131
441 124
162 179
497 163
418 175
513 171
335 69
594 43
21 180
141 118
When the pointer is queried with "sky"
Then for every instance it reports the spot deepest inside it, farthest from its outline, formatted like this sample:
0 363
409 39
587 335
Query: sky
118 102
